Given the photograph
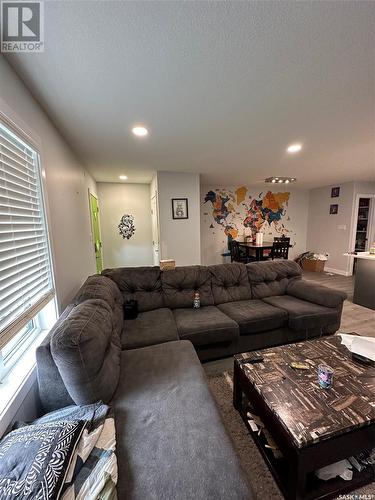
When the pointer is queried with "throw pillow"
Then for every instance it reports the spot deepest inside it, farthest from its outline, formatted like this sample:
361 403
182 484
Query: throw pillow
34 460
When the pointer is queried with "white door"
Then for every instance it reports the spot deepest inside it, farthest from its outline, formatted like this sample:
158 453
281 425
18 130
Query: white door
155 229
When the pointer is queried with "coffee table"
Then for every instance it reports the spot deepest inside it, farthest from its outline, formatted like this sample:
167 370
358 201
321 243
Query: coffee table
312 427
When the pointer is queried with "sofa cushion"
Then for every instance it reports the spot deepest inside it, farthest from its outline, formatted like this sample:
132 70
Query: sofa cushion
170 439
180 284
254 316
84 352
304 315
272 278
101 287
230 283
150 327
51 388
139 283
206 325
316 293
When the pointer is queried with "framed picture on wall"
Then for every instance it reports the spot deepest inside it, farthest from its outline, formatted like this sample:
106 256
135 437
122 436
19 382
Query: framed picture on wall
334 209
335 192
180 208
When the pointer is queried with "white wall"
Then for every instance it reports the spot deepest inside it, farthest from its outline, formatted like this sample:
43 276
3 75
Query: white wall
67 186
179 239
361 187
116 200
213 237
333 233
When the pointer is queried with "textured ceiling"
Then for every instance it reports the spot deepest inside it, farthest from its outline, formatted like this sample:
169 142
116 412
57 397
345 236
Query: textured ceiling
223 87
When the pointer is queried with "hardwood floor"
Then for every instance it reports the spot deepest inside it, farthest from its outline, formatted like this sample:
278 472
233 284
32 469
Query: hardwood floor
357 319
343 283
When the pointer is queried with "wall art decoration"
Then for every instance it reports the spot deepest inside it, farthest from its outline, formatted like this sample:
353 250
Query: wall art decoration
235 210
334 209
126 227
335 192
180 208
239 212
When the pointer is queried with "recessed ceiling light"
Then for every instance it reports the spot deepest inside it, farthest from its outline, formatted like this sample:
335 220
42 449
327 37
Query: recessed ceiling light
294 148
123 177
140 131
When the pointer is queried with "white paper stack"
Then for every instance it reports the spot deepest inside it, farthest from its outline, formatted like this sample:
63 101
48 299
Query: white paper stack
363 346
342 469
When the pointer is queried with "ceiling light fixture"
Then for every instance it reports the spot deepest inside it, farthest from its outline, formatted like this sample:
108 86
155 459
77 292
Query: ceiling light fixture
123 177
280 180
294 148
140 131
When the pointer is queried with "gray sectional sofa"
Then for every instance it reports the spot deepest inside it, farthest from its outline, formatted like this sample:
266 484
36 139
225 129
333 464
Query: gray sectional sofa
171 442
243 307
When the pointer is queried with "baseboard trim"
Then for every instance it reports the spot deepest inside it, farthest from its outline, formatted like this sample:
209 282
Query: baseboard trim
336 271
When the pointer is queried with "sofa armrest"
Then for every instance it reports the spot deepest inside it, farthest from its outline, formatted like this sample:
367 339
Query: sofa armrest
316 293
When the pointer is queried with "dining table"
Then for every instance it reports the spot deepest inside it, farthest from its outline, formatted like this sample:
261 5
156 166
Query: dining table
259 248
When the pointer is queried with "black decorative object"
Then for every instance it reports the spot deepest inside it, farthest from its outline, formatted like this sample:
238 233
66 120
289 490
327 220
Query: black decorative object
335 192
180 208
130 309
334 209
126 227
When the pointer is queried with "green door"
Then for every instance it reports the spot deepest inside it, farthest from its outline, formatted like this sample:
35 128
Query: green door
95 228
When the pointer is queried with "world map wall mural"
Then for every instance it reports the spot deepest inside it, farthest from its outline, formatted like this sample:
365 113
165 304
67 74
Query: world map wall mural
232 210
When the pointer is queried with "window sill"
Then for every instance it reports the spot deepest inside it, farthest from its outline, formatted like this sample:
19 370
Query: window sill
17 383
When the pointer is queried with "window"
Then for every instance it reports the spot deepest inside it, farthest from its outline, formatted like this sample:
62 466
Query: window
26 284
13 350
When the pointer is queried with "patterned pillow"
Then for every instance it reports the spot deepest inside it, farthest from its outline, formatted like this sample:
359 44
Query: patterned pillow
34 460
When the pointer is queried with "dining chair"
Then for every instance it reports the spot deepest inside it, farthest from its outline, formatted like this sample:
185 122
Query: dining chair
282 238
280 248
236 255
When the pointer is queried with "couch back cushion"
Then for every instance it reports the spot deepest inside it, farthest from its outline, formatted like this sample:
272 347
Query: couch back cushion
85 353
180 284
272 277
52 391
229 283
140 283
101 287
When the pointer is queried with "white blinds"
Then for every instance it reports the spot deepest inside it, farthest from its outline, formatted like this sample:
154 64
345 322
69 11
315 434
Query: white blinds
25 269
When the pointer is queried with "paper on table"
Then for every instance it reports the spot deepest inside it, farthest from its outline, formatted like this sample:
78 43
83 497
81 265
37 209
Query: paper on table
342 469
364 346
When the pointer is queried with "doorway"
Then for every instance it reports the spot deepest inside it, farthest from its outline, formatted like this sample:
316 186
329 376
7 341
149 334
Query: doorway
363 236
95 231
155 229
364 225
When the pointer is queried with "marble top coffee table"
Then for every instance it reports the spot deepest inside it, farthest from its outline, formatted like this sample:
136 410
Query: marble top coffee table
312 427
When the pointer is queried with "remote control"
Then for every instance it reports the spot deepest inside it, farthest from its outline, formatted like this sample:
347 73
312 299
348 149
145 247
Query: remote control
252 359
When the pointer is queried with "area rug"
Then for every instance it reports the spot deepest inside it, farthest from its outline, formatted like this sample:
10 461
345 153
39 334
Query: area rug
256 470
